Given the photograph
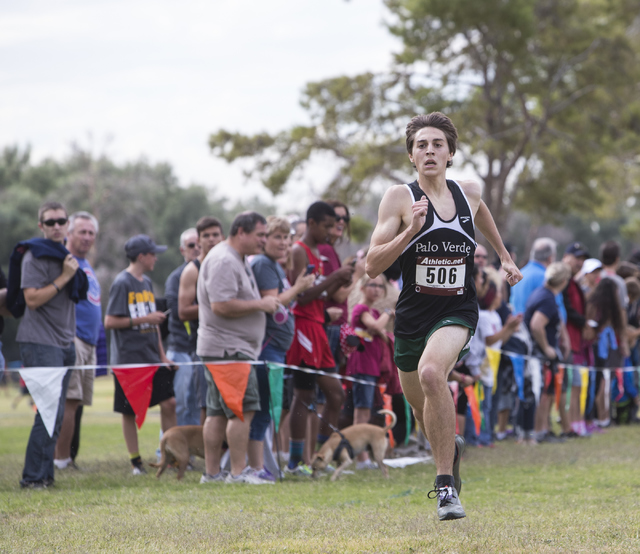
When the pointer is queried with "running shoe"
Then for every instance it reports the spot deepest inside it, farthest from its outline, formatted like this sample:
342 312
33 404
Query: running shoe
138 469
449 506
217 478
460 445
301 470
248 476
367 464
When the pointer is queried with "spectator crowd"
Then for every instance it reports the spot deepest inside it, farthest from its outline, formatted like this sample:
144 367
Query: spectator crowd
275 291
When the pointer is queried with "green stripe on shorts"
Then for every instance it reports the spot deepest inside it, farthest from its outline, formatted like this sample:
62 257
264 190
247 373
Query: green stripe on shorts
407 352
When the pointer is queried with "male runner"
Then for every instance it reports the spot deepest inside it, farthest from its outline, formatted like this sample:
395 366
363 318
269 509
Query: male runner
428 225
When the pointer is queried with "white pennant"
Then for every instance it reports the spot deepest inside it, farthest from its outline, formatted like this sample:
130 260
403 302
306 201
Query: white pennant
45 387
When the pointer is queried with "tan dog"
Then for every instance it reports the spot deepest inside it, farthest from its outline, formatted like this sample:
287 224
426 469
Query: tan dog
360 437
177 444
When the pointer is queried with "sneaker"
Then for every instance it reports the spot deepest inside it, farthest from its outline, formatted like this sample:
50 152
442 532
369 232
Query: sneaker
550 437
217 478
265 474
460 445
301 470
248 476
449 506
138 469
368 464
64 464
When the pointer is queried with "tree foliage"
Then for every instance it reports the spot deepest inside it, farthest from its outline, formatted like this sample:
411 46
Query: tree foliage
543 93
127 199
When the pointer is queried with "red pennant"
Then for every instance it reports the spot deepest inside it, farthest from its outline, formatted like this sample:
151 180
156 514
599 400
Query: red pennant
231 380
137 384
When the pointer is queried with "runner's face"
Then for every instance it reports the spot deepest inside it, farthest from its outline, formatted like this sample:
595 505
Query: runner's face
277 245
209 238
430 152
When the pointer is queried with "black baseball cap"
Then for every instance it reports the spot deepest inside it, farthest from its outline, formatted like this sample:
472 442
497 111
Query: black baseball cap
578 250
142 244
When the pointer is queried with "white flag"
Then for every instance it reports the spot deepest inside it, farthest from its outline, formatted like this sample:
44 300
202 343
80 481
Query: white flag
45 386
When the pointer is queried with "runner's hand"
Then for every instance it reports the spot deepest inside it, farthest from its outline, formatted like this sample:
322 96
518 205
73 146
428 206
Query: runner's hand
419 214
513 273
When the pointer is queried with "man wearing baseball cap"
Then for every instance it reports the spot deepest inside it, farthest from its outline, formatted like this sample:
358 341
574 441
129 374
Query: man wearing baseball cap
134 322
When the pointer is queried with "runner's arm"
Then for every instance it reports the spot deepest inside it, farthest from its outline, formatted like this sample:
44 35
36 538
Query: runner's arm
387 243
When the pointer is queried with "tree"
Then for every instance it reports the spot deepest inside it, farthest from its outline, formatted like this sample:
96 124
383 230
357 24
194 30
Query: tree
543 93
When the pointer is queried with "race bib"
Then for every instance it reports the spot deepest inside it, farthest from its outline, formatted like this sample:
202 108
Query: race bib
440 276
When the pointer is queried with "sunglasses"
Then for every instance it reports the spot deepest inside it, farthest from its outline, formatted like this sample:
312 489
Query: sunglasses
344 218
191 245
51 222
375 286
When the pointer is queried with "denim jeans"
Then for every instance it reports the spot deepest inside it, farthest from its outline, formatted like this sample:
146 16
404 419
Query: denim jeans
262 418
184 386
38 463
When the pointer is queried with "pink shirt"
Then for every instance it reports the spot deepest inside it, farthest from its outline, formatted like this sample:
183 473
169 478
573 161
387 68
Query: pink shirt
366 362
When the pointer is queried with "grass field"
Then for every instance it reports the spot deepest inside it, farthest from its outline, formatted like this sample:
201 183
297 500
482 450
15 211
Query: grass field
581 496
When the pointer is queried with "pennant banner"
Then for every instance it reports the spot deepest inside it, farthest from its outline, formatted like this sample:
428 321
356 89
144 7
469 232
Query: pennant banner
45 387
584 388
518 373
276 380
472 399
494 362
231 380
137 385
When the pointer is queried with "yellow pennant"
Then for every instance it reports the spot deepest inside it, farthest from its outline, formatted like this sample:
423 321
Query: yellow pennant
494 361
584 378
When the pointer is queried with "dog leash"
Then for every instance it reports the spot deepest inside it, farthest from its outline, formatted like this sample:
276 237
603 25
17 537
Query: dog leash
344 442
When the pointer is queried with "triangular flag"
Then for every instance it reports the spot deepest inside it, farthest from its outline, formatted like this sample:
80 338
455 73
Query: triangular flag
494 361
584 389
276 378
559 376
45 387
569 380
518 373
472 399
231 380
137 385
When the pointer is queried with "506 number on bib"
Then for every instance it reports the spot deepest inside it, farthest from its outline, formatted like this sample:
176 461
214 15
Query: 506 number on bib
440 276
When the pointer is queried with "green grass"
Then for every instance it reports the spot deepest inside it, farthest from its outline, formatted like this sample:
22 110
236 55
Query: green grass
582 496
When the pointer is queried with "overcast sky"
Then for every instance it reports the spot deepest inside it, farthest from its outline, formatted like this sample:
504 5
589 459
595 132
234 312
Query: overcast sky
155 78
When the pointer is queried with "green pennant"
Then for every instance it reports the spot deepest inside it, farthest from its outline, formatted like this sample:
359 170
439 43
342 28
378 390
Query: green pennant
276 372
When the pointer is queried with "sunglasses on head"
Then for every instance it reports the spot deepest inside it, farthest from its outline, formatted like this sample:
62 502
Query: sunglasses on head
344 218
51 222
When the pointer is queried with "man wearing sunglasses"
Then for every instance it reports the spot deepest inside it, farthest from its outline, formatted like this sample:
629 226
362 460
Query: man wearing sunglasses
179 343
47 272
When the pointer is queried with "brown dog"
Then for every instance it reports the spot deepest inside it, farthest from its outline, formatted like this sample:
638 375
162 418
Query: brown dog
177 444
360 437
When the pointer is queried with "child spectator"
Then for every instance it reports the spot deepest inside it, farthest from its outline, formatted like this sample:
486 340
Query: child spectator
365 364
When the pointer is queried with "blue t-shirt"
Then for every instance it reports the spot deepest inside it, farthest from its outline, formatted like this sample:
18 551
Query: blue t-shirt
542 300
270 275
89 311
532 278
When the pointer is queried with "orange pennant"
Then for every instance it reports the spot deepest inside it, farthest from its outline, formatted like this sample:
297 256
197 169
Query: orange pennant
387 405
559 377
137 385
475 409
231 380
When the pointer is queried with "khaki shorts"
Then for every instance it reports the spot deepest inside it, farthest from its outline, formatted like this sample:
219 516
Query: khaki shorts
216 405
407 352
81 381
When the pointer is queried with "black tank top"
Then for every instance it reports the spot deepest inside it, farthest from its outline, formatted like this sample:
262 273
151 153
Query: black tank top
437 269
